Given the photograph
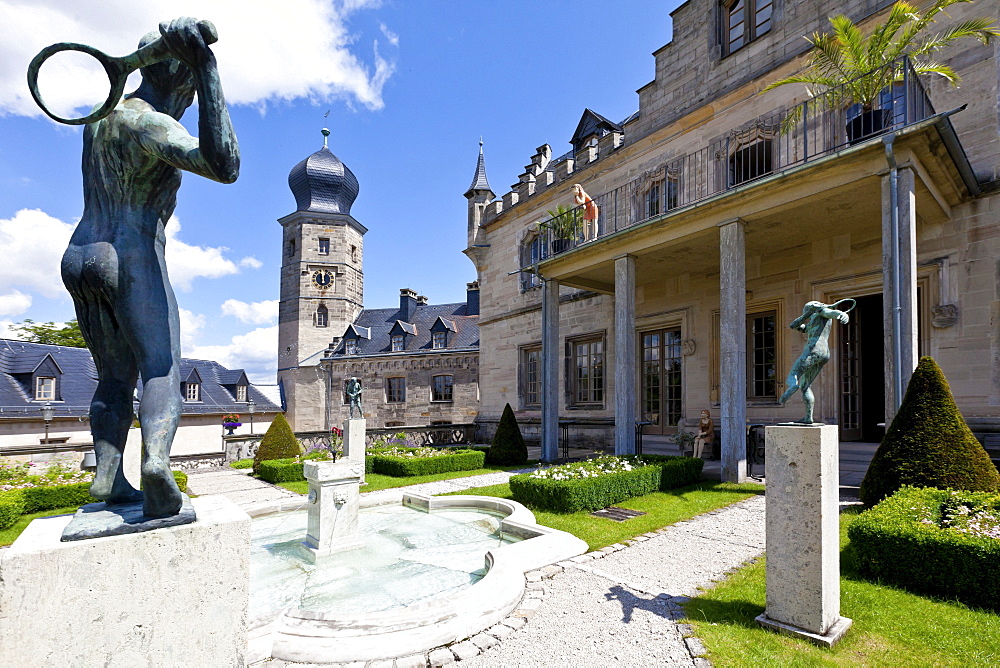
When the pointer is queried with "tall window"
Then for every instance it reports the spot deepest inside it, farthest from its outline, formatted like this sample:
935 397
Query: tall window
241 393
395 390
439 340
531 376
744 21
751 161
588 370
322 316
762 356
45 388
324 246
661 377
192 392
673 183
351 347
398 342
441 388
652 200
290 248
531 254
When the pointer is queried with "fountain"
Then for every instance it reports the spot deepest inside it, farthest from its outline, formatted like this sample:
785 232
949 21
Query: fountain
372 582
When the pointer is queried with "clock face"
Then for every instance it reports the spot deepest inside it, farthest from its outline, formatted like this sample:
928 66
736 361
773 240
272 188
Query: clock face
323 278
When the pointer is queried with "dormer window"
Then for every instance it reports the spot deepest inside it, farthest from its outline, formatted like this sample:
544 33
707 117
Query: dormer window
324 246
440 331
351 347
439 340
241 393
744 21
398 342
45 388
192 391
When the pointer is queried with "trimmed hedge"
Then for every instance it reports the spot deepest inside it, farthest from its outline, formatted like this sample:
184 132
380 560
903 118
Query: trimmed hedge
462 460
676 471
280 470
278 443
11 508
508 447
242 463
569 496
892 544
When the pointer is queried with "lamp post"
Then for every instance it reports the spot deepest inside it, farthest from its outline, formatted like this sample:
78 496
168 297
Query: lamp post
47 413
251 406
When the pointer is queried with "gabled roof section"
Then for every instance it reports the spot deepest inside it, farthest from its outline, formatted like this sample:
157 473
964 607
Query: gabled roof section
479 180
355 331
402 327
192 376
441 324
592 123
29 363
233 377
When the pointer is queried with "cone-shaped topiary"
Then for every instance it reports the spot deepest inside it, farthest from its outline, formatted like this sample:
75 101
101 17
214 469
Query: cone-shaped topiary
278 443
508 448
928 444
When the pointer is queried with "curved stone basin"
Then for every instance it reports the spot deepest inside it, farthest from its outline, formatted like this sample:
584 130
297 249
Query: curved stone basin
405 592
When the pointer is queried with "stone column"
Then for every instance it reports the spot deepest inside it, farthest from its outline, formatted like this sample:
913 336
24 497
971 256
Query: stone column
625 363
803 533
334 500
733 349
550 370
354 442
899 258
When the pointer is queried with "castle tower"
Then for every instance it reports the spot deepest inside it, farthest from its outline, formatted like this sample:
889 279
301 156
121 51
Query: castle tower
479 195
322 282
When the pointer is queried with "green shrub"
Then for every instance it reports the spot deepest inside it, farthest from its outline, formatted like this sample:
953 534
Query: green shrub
900 541
11 508
928 444
37 499
242 463
278 443
508 447
280 470
461 460
676 471
569 496
181 479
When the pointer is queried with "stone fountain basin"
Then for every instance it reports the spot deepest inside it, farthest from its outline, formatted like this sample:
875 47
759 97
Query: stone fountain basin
322 637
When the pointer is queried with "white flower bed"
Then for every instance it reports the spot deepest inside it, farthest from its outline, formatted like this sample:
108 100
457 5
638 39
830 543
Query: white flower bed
592 468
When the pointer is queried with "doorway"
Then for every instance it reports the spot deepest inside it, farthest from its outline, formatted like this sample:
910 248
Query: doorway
862 372
661 380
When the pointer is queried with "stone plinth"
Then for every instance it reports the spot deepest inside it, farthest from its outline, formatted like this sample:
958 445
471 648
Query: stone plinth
170 597
334 500
803 533
354 442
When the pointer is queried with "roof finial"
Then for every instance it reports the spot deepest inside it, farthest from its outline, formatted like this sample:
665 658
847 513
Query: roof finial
480 143
326 135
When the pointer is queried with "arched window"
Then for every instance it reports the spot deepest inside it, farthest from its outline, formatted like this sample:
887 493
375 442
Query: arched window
322 316
744 21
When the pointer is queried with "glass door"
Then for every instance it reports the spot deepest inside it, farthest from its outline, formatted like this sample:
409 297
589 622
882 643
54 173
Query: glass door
661 380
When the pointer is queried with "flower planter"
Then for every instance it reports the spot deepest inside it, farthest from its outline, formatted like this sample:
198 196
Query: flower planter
560 245
868 124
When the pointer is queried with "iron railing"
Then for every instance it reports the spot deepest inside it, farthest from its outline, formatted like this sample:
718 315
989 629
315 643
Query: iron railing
767 145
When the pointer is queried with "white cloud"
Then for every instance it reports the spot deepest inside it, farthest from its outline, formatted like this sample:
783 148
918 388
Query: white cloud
191 326
257 313
14 303
267 51
186 262
250 262
5 330
33 243
256 352
389 35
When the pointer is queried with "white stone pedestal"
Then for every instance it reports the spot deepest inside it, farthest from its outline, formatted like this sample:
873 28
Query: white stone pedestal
169 597
334 500
803 533
354 442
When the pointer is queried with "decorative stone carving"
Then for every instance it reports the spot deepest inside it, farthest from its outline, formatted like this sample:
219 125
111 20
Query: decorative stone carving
945 315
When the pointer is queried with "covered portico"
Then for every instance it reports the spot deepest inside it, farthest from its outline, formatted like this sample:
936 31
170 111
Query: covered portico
795 226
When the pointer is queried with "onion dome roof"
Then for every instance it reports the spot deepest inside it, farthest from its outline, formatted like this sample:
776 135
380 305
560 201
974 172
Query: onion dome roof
322 183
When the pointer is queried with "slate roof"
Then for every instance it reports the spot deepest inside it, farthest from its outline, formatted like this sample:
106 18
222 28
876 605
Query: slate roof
324 184
479 180
79 381
379 322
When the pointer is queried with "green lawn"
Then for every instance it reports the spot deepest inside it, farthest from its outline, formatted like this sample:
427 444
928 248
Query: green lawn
891 627
661 508
8 536
377 481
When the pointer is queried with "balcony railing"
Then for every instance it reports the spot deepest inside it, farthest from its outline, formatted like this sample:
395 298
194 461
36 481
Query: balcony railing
769 144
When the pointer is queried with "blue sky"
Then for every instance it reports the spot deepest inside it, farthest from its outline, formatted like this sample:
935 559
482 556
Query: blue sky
410 87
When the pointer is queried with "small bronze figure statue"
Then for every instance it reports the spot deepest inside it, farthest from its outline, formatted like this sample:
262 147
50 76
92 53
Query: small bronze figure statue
354 395
816 320
134 150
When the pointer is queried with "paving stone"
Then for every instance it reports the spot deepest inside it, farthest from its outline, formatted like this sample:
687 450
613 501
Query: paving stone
530 604
483 641
640 539
414 661
685 630
441 656
618 546
552 570
514 622
385 663
702 663
533 576
580 559
500 631
695 647
535 594
464 651
566 564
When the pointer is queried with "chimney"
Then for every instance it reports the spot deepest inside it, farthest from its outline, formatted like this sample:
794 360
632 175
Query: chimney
421 300
472 298
407 304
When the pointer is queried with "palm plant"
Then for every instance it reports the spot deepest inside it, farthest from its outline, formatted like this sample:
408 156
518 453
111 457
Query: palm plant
565 222
849 67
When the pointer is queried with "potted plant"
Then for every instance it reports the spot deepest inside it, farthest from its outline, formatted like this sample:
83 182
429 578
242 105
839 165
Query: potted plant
565 223
231 421
854 69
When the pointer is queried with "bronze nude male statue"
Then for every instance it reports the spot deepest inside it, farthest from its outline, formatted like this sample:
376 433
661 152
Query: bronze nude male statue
114 267
816 320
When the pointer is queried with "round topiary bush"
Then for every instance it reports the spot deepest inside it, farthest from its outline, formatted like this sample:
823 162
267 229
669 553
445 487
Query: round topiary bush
928 444
508 448
278 443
